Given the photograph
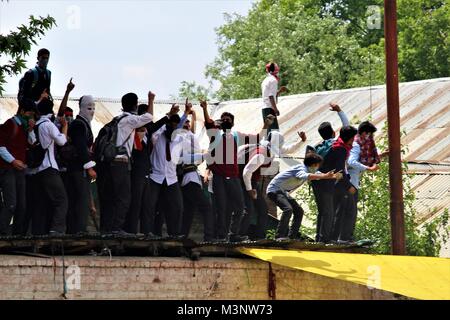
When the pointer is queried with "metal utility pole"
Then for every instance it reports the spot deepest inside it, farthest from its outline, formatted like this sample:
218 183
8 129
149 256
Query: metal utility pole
393 117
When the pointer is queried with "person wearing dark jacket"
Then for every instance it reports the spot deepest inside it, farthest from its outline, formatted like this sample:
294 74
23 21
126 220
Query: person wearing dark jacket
37 80
141 169
15 135
80 170
330 196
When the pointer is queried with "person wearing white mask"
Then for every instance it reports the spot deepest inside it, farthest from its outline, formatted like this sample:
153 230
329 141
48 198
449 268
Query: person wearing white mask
256 160
81 168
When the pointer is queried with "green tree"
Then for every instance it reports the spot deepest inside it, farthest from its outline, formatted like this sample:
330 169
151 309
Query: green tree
17 44
327 44
373 214
193 91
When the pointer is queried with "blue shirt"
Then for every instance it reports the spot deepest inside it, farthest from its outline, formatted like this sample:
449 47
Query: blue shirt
290 179
355 168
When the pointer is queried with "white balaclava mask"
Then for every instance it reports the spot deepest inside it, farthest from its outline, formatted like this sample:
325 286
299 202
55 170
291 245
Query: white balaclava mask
275 142
87 107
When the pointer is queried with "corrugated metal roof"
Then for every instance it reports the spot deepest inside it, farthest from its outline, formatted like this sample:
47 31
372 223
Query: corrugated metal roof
424 111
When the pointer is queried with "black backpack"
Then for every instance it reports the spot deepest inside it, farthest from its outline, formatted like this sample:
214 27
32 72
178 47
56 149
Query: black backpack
105 149
35 71
36 153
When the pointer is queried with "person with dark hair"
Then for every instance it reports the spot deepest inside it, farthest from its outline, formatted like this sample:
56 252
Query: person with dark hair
222 160
15 136
80 168
255 161
114 178
363 157
284 183
37 80
331 197
194 199
270 93
52 203
141 169
164 187
327 132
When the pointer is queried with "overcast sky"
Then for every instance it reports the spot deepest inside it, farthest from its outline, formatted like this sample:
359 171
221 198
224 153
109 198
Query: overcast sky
113 47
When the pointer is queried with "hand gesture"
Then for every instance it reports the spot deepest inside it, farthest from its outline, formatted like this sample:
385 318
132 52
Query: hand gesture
63 122
70 86
283 89
302 135
203 104
18 165
188 107
151 96
352 190
252 194
375 167
335 107
44 95
92 174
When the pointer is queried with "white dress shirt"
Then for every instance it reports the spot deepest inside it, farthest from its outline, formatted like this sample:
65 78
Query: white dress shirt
48 136
126 130
161 168
269 87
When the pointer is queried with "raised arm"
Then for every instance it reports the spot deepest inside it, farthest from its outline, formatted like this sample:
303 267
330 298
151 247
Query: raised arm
290 148
63 104
335 107
204 106
193 121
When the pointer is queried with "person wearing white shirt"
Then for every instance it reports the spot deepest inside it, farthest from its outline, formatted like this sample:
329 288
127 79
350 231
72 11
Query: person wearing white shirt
119 198
257 161
285 182
270 93
53 198
194 199
164 186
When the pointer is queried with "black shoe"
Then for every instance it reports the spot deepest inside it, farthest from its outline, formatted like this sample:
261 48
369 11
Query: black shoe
122 234
151 236
237 238
56 234
344 242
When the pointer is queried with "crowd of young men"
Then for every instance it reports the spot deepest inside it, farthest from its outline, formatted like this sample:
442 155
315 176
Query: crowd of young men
147 170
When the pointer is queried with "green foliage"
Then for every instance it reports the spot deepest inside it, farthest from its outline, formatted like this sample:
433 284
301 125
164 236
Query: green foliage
373 214
17 44
325 45
193 91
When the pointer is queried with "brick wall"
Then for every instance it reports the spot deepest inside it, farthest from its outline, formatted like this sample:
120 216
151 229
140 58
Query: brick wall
167 278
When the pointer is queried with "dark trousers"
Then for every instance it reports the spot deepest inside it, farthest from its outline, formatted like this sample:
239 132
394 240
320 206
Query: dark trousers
346 213
140 196
196 201
228 198
171 199
13 201
289 207
255 210
324 195
105 191
51 203
274 125
121 197
78 191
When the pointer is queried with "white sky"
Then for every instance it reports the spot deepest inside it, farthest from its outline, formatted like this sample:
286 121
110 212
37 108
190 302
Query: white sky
114 47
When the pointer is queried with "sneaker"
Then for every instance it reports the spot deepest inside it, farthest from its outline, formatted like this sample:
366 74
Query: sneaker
237 238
